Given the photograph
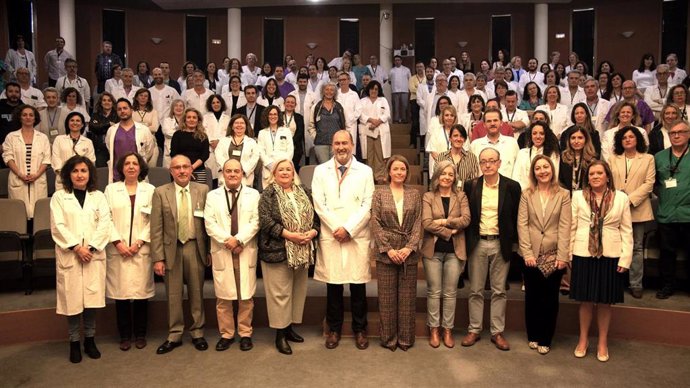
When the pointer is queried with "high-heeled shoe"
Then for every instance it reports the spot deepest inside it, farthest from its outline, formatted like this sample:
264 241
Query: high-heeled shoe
581 354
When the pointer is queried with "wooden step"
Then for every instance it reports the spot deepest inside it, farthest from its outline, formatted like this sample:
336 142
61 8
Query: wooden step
412 155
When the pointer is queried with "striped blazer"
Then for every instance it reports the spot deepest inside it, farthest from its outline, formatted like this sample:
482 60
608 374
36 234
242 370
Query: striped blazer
388 232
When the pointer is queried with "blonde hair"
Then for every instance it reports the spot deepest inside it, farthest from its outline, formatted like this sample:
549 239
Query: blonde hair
553 185
199 131
438 170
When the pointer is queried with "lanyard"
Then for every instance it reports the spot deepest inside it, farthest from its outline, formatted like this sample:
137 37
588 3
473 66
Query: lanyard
142 115
445 135
273 137
234 200
576 173
510 118
674 169
288 122
52 119
593 111
251 114
342 177
662 95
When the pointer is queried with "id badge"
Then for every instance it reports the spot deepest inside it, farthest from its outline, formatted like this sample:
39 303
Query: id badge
671 183
53 132
236 153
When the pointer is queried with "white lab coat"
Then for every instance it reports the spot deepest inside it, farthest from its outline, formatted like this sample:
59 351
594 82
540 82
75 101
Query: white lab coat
64 148
218 225
560 117
277 101
145 145
215 130
169 126
346 204
241 101
132 277
378 109
248 159
14 148
351 108
79 285
274 147
310 99
523 162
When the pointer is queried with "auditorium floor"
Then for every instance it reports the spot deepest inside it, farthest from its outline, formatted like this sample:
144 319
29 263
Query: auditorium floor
311 365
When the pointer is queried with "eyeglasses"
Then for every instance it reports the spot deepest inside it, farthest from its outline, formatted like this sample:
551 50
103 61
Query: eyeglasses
677 133
489 162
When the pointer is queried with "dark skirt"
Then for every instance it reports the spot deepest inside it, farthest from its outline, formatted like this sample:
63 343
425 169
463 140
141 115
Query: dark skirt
596 280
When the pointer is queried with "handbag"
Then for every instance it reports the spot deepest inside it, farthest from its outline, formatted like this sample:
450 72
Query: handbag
546 262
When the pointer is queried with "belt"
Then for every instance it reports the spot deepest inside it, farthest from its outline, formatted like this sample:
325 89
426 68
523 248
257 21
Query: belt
489 237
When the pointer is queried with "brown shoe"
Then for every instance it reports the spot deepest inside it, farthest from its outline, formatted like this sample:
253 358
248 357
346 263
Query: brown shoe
140 343
361 340
434 337
125 344
500 342
332 340
470 339
448 339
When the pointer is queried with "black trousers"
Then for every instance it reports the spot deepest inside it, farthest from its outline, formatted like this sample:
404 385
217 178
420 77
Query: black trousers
541 304
335 308
132 316
672 237
414 132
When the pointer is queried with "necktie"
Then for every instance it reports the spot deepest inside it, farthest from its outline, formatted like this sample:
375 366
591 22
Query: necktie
342 170
183 217
233 213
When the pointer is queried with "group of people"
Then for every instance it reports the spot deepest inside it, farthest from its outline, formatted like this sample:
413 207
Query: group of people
570 177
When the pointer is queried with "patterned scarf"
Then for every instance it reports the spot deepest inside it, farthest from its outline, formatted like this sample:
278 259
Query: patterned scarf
298 218
596 220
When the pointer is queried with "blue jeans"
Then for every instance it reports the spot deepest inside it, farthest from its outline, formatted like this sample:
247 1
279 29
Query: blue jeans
442 273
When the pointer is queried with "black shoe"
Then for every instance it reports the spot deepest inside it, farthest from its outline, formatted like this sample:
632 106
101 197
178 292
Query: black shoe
168 347
74 352
565 292
200 343
664 293
246 344
282 343
291 335
224 344
90 348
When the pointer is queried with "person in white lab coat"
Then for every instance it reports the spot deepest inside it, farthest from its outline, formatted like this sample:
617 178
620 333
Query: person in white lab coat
216 122
342 190
80 226
374 129
231 216
239 144
26 152
349 99
169 126
130 270
234 98
274 141
140 141
73 143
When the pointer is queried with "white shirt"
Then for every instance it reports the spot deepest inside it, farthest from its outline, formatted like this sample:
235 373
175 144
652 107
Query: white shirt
560 117
508 148
55 63
569 99
528 77
195 100
655 97
598 112
78 83
162 99
677 77
111 84
644 79
517 115
15 60
378 74
399 78
120 92
249 77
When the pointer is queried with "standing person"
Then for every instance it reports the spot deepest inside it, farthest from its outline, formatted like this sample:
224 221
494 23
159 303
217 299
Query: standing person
343 255
127 136
544 234
558 113
399 77
378 73
374 129
289 226
239 144
295 123
197 96
655 95
80 241
50 115
234 98
413 84
274 141
601 244
130 269
328 117
178 250
70 144
143 78
396 225
540 141
359 69
104 116
26 152
465 162
162 95
445 215
18 56
191 141
165 67
251 109
578 154
270 95
349 99
581 118
170 125
30 95
232 221
673 185
494 199
104 65
633 173
659 138
216 122
506 145
144 112
72 80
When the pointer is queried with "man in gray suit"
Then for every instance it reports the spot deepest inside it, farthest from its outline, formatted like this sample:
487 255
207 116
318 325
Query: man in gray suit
178 249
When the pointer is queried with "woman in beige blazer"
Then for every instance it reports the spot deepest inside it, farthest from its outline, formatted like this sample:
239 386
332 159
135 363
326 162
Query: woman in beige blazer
634 173
543 229
445 215
601 248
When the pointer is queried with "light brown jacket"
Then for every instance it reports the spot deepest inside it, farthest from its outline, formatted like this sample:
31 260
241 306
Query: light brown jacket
540 231
390 233
639 184
458 218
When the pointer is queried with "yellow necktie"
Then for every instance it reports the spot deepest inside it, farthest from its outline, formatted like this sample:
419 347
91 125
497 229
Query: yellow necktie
183 217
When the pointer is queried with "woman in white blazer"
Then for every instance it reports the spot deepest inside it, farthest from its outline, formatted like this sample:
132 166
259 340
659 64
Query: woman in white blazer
274 141
234 98
80 226
239 144
601 243
216 122
27 180
130 269
73 143
559 114
374 130
439 130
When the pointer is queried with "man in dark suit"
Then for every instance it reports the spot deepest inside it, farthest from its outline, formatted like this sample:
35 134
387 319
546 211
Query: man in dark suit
494 201
178 249
252 110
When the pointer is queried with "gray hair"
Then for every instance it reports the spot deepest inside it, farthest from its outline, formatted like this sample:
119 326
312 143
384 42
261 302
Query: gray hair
327 84
438 170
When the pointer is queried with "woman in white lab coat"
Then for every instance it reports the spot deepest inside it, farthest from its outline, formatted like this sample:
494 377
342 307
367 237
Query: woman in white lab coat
70 144
130 269
374 130
275 141
80 225
169 126
26 152
216 124
239 144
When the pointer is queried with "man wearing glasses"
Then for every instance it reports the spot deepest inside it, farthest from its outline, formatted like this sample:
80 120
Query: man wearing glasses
673 217
493 200
655 96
